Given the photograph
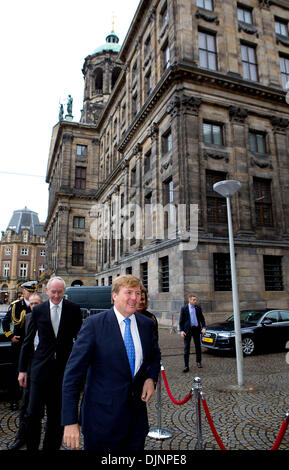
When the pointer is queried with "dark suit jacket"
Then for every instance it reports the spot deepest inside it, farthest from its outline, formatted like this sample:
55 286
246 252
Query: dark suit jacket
52 352
185 321
111 408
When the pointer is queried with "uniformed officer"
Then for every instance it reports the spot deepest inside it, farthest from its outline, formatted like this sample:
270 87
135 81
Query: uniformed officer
13 327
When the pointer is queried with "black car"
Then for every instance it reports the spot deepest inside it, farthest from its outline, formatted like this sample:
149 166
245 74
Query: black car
5 355
260 330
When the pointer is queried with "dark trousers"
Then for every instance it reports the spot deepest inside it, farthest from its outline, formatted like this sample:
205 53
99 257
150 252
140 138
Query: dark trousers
194 333
13 388
45 395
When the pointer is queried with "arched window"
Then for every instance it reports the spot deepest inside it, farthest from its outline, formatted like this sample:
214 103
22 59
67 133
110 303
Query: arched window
77 283
98 81
114 76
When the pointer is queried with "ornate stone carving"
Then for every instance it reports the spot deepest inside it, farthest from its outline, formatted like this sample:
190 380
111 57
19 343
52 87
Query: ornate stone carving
237 114
186 103
282 40
247 28
265 3
137 149
260 164
216 155
153 131
207 17
280 124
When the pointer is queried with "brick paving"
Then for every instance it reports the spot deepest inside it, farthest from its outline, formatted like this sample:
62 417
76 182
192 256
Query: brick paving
246 419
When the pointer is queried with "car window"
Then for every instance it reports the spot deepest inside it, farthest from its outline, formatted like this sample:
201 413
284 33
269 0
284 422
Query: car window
273 316
284 315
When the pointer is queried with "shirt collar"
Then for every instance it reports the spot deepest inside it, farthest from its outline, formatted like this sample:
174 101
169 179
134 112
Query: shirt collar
58 305
121 317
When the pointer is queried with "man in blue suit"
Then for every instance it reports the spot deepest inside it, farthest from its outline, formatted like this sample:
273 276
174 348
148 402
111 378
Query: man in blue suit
192 321
120 377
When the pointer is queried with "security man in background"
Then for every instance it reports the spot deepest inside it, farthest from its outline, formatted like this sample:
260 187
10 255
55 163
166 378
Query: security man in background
13 327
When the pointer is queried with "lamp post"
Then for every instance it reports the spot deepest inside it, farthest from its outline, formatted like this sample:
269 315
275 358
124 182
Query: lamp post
227 189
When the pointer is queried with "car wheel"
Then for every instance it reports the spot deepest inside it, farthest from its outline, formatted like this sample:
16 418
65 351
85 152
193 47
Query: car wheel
248 346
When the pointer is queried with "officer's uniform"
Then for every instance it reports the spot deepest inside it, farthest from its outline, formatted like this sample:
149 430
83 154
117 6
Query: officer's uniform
13 325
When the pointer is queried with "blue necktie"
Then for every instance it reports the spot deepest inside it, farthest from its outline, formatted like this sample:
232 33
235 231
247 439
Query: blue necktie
128 342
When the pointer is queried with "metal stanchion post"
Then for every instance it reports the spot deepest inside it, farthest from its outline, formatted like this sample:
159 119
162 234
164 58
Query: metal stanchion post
197 390
159 432
173 329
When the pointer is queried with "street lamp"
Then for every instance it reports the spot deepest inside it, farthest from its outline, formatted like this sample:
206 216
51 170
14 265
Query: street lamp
227 189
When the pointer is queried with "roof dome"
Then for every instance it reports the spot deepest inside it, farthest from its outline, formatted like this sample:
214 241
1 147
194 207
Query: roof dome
112 44
26 219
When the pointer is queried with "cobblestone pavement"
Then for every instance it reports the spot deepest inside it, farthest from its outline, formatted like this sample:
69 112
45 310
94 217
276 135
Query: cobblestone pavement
245 419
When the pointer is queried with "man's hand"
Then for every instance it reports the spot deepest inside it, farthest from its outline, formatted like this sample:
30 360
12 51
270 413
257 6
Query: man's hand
71 436
15 339
183 334
148 390
22 379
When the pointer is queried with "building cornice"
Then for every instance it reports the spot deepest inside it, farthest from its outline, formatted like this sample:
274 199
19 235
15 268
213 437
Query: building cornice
189 72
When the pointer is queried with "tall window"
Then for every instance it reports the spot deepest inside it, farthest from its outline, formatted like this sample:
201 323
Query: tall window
263 202
213 133
164 274
284 69
216 204
7 251
148 161
41 269
148 83
23 270
167 142
134 104
164 16
165 52
6 269
257 142
222 272
24 251
244 15
78 222
273 273
207 50
81 151
80 177
206 4
144 274
249 62
77 254
281 27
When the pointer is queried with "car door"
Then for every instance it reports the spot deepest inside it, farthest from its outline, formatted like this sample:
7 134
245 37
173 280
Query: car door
284 324
270 329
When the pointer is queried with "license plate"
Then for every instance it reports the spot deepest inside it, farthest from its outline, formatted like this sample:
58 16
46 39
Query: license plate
208 340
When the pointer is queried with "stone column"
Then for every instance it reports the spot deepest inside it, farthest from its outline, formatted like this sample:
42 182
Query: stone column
63 238
240 166
281 181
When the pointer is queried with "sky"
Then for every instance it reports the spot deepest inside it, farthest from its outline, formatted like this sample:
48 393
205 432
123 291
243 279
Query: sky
44 44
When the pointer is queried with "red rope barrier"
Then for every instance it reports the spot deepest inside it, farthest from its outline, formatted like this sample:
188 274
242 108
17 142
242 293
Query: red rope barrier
281 434
275 446
213 429
176 402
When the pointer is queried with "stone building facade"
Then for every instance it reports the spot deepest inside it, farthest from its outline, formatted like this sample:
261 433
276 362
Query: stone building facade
22 254
200 97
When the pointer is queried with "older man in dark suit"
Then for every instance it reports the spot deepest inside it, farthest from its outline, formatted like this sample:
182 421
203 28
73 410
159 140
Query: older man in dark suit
192 322
117 352
57 322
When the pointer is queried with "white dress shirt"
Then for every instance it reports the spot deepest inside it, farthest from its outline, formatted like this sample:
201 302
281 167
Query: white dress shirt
52 305
135 337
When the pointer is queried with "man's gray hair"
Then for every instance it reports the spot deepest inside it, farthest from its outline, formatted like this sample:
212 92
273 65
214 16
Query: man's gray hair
56 278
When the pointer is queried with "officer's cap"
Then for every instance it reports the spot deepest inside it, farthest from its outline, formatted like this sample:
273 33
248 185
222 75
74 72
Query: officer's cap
30 286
